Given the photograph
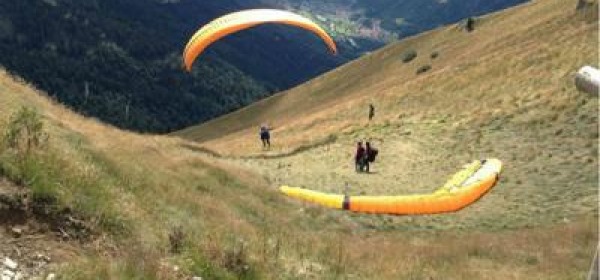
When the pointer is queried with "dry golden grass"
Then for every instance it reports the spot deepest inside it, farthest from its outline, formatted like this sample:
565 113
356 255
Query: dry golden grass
503 91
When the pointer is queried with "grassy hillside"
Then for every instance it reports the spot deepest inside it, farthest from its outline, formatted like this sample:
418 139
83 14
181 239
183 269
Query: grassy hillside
132 192
108 204
505 90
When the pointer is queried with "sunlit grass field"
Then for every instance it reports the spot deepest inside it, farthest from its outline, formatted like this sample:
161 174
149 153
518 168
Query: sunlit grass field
504 91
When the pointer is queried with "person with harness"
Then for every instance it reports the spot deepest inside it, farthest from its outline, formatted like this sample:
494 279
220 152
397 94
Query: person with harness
371 111
265 136
359 157
369 156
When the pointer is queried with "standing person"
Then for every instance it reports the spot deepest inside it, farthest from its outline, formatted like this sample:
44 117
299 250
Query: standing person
359 157
369 155
366 157
470 24
265 136
371 111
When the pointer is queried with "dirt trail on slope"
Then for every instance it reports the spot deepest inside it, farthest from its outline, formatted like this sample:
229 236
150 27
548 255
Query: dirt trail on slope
549 176
28 241
505 91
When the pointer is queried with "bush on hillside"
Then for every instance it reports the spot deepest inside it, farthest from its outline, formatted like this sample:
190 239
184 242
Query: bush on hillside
62 188
587 10
583 4
423 69
409 55
176 239
25 132
434 55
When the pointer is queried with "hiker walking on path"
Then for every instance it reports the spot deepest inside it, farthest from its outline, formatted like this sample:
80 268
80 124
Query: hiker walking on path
265 136
371 111
359 157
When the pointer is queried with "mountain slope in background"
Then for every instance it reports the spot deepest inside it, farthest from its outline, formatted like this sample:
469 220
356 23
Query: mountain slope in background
120 60
385 20
503 91
127 55
102 203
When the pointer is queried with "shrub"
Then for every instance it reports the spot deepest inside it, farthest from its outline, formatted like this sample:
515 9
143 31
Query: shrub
237 261
23 135
176 239
25 132
434 55
27 159
409 55
423 69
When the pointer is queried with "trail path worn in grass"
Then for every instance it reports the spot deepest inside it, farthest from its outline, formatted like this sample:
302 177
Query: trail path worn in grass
504 91
547 178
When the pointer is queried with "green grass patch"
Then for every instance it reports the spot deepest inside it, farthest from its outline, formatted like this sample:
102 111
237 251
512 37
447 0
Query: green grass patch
56 180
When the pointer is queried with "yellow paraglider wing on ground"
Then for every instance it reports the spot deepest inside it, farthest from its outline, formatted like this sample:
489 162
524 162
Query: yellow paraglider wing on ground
328 200
463 189
237 21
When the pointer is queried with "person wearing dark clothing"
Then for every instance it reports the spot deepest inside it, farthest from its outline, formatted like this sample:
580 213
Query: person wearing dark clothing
371 111
265 136
367 157
359 157
470 26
